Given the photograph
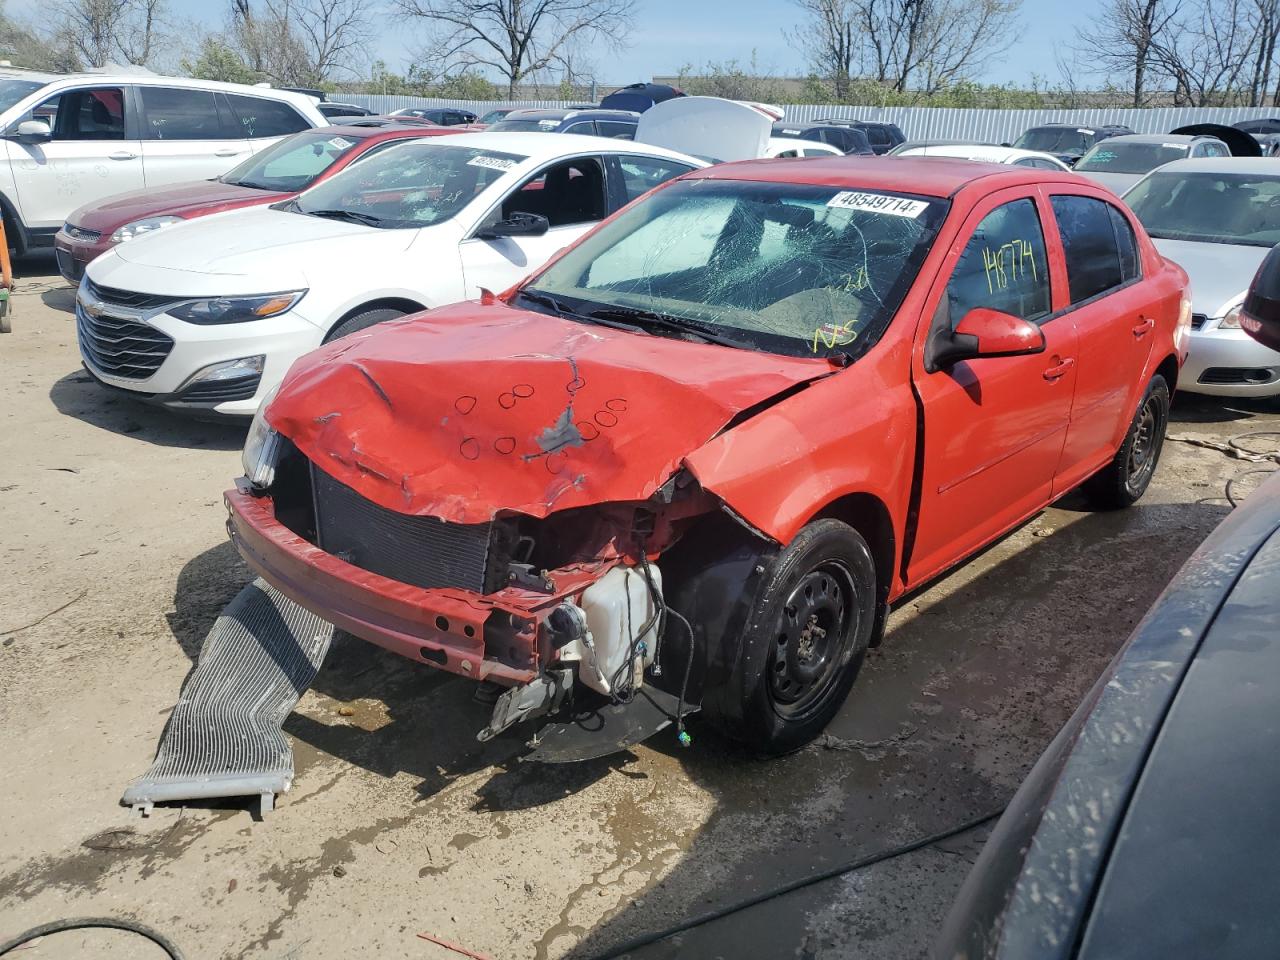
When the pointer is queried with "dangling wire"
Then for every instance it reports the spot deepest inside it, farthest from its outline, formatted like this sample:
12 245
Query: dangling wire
681 735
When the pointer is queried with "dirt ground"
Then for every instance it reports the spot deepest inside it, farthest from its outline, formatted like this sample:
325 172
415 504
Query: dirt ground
114 562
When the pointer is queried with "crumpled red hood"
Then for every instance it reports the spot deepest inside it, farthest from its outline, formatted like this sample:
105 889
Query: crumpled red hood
473 409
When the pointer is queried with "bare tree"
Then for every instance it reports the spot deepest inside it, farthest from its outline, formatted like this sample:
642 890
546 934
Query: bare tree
99 31
517 38
1265 22
302 42
1204 50
829 39
1120 39
921 45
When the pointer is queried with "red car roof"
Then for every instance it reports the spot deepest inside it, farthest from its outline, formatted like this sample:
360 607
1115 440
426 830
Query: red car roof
927 176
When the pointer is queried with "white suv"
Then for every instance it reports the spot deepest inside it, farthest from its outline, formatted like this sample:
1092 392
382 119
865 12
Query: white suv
71 140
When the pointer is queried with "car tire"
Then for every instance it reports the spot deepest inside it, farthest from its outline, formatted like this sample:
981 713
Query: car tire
806 637
1123 481
362 321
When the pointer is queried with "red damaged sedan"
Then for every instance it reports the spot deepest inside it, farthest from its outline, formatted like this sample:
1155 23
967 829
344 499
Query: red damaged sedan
279 172
692 462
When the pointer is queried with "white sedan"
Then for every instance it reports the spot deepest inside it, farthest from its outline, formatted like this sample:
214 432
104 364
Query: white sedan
1217 219
208 316
987 153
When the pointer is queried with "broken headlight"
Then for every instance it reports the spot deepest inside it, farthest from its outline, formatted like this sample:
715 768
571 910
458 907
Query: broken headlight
261 447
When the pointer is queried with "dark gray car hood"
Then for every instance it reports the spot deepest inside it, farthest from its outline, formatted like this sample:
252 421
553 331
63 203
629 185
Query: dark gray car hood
1195 870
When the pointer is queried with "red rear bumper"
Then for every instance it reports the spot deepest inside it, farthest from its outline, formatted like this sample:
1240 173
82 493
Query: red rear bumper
445 628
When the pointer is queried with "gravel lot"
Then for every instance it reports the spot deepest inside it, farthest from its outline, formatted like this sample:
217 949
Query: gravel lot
114 563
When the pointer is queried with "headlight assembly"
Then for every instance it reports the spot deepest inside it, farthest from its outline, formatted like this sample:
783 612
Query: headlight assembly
1232 319
261 446
138 227
236 309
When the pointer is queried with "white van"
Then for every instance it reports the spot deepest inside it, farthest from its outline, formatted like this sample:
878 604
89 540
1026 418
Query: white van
69 140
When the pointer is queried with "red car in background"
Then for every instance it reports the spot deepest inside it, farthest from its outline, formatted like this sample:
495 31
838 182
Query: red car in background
704 449
279 172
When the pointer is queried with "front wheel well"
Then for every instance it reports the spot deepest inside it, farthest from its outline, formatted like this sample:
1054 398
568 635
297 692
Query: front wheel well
15 232
386 303
868 514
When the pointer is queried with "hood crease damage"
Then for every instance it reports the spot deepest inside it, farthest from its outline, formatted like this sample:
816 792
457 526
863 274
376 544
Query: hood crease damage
567 415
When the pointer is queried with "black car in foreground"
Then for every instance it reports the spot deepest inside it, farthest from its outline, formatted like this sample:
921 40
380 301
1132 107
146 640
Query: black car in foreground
1150 828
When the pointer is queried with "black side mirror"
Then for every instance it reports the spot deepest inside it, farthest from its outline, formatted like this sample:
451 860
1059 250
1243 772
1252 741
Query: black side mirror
1260 315
517 225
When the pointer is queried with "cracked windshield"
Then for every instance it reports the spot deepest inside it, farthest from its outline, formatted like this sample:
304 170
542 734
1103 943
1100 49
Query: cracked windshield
788 268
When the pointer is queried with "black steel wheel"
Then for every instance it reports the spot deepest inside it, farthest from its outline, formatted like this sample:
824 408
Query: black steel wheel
1123 481
804 641
813 639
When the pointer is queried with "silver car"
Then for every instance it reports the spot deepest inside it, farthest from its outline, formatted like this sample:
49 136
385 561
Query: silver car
1119 162
1217 219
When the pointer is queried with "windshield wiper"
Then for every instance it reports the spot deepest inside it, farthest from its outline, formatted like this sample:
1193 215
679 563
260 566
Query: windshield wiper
667 322
368 219
561 310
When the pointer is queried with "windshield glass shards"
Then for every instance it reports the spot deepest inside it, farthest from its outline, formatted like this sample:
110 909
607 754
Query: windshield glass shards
410 185
795 269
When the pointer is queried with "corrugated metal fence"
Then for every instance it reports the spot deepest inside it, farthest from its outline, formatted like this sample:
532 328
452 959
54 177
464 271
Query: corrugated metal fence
919 123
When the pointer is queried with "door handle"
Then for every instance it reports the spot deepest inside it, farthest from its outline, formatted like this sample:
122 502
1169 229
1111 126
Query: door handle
228 153
1143 327
1060 369
124 155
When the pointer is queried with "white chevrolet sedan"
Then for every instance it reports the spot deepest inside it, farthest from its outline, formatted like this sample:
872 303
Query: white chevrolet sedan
207 316
1217 218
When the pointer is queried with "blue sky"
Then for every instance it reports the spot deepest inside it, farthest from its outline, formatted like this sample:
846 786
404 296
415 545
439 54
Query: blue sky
672 33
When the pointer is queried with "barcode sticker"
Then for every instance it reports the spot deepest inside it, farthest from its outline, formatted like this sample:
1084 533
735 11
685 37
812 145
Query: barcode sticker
493 163
878 203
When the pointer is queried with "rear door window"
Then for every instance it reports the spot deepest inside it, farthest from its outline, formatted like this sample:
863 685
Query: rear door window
1003 266
261 118
176 114
1092 245
584 128
878 136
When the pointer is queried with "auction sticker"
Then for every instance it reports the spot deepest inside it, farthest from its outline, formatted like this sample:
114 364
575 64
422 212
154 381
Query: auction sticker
878 203
340 143
493 163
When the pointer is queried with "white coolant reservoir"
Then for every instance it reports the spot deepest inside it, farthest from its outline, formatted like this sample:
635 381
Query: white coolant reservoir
618 605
